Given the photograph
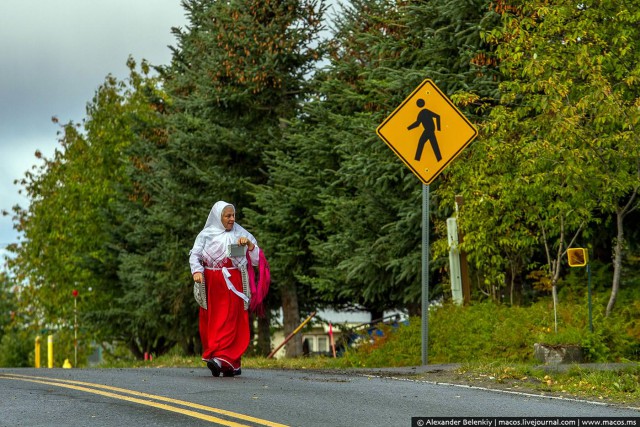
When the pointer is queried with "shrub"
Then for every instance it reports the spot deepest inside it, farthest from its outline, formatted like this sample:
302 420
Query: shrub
16 349
487 331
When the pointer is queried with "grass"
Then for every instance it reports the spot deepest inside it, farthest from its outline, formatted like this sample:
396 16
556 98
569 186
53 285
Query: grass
179 361
492 346
615 386
619 385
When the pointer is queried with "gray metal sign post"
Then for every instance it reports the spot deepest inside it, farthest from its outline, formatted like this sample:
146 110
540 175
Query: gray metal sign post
454 133
425 273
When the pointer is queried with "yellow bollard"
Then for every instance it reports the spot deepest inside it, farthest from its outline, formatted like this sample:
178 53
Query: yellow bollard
37 358
50 351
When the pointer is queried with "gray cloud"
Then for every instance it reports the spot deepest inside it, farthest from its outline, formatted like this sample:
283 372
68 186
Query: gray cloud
53 56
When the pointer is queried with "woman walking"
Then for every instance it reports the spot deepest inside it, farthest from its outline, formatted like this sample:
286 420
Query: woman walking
223 257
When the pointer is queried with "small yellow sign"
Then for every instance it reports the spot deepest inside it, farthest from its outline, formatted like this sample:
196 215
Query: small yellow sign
577 257
427 116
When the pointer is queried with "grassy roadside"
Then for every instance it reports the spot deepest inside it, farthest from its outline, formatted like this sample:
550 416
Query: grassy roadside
612 384
490 346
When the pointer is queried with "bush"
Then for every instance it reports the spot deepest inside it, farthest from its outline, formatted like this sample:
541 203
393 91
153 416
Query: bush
17 349
483 331
396 346
487 332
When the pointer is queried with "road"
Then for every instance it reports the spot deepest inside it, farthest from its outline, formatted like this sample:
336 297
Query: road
192 397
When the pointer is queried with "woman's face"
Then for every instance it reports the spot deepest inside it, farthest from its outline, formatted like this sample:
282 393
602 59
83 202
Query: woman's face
228 218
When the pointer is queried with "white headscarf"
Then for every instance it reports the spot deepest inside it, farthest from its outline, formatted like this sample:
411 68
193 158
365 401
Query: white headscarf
213 241
214 220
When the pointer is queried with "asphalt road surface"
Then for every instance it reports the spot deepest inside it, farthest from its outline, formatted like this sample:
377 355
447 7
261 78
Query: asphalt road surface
192 397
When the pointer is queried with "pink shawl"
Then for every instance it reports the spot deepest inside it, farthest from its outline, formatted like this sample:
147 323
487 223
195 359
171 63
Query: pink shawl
259 290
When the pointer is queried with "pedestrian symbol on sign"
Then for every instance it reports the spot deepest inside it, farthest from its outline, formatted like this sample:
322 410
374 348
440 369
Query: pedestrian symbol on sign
426 118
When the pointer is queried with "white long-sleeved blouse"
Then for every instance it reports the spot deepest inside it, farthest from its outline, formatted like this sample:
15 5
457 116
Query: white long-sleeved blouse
212 248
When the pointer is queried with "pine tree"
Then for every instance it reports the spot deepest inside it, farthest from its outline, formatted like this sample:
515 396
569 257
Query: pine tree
371 210
148 312
237 74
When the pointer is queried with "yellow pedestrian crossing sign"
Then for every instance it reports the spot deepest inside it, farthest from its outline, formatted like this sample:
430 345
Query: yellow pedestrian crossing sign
427 115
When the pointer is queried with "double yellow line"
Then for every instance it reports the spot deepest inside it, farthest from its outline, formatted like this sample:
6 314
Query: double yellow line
147 400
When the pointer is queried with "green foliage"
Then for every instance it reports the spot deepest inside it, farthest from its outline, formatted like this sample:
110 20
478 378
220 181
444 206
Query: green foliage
486 332
574 285
19 330
71 227
8 302
613 340
257 109
16 349
395 347
369 251
483 331
560 151
608 384
237 76
287 205
61 234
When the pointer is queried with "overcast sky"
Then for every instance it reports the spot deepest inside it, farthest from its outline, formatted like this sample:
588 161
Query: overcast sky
53 56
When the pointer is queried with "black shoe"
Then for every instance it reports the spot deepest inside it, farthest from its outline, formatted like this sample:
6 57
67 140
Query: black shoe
237 372
228 372
212 364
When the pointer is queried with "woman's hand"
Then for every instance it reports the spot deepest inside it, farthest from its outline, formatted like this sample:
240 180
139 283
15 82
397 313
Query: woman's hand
243 241
198 277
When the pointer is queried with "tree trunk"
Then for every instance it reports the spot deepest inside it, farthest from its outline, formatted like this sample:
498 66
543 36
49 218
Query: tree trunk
464 273
376 315
414 309
263 346
197 344
135 349
512 285
252 349
617 261
554 292
291 319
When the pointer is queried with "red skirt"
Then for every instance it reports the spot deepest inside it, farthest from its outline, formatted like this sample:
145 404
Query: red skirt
224 326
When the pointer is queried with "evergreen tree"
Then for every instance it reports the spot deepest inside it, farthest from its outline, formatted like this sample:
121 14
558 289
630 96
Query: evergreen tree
298 170
147 313
237 74
371 210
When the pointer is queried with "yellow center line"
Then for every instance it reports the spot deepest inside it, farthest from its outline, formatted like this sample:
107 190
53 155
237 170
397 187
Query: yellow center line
79 386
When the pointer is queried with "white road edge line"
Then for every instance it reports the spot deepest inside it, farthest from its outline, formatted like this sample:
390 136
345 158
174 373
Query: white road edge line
519 393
